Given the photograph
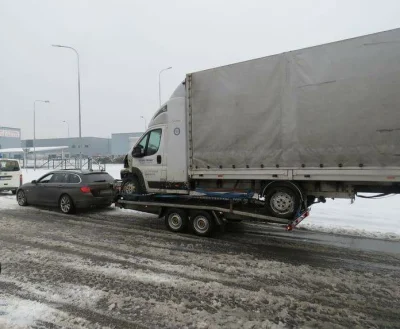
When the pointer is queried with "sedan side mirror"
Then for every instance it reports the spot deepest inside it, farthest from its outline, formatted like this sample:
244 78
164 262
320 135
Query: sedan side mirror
34 182
137 152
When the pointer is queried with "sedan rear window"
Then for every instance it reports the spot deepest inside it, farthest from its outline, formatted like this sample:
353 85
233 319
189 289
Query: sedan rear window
98 178
9 165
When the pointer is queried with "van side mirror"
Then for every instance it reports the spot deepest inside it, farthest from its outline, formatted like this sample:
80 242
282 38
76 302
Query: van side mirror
34 182
138 152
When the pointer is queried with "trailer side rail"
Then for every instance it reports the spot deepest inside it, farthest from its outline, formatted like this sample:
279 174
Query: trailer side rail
201 207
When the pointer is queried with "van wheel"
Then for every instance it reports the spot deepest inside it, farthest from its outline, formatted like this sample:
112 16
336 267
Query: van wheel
21 198
176 220
282 201
202 223
66 204
131 185
14 192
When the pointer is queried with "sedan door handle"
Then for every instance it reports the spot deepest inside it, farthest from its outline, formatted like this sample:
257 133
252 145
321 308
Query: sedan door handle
60 185
158 159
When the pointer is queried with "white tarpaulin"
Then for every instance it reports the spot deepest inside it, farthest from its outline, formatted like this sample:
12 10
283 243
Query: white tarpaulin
333 104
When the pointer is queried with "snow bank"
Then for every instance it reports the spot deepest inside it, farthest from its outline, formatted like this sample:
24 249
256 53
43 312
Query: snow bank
375 218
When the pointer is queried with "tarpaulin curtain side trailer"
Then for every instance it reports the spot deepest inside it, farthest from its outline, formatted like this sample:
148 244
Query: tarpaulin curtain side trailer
334 105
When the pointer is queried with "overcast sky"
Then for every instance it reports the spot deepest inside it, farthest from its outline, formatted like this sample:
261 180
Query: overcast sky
124 44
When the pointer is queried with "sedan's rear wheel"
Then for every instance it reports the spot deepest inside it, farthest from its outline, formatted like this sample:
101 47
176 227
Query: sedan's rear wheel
66 204
21 198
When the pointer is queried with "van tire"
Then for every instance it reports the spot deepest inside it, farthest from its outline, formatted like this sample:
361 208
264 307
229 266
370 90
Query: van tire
130 185
14 192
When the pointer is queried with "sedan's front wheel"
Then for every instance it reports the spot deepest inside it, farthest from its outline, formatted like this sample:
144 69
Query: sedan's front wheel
66 204
21 198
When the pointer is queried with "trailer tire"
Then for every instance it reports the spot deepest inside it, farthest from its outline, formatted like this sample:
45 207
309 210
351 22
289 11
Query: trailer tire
282 200
130 185
202 223
176 220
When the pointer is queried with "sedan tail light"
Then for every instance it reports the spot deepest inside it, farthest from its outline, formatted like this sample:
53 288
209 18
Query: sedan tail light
85 189
20 180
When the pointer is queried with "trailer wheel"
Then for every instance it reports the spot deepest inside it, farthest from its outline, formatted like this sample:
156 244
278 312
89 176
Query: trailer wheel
176 220
202 223
282 201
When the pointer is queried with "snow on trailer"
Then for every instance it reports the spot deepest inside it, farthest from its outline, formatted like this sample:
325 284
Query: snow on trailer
203 210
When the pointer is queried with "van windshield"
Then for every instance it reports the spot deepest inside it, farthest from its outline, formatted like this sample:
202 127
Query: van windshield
9 165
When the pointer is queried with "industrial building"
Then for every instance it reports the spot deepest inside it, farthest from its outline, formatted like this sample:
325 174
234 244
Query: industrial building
120 142
91 146
10 137
117 145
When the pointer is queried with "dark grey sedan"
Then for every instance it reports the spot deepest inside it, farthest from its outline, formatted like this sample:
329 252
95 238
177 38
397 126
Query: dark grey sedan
69 190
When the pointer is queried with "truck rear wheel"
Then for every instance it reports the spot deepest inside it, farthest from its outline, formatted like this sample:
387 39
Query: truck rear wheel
282 201
202 223
176 220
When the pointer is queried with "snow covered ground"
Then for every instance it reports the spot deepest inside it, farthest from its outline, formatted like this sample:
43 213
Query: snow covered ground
107 269
117 268
371 218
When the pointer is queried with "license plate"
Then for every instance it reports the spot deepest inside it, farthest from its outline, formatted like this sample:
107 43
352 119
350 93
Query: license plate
105 192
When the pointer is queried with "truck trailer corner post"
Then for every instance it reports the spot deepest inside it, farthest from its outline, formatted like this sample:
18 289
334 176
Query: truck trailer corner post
294 128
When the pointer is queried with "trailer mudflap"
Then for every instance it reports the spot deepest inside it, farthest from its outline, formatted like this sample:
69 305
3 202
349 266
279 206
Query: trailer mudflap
298 220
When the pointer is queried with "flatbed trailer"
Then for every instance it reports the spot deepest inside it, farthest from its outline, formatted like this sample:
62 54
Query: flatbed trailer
203 213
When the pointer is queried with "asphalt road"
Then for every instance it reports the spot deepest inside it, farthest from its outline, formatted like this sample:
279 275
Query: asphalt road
120 269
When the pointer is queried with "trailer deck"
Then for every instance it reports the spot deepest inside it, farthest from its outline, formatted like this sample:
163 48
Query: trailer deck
222 207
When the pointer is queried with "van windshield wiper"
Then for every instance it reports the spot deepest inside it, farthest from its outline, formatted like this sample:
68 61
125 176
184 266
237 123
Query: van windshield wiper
100 181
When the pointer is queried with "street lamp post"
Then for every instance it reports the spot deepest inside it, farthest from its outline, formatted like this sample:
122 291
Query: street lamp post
145 122
79 100
159 82
67 126
34 130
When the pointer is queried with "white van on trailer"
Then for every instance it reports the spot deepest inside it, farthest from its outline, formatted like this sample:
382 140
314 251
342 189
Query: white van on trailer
10 175
294 128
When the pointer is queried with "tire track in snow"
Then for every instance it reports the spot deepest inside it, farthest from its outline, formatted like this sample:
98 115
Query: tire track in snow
152 274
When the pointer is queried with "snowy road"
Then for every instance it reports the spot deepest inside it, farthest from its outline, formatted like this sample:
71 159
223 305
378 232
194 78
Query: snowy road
117 269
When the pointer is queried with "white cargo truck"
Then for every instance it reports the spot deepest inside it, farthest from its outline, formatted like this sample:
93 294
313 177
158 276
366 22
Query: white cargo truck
284 131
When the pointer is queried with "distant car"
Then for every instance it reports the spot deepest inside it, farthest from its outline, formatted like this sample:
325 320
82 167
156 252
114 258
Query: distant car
10 175
69 190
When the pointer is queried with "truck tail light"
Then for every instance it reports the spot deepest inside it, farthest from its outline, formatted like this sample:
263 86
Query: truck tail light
20 180
85 189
